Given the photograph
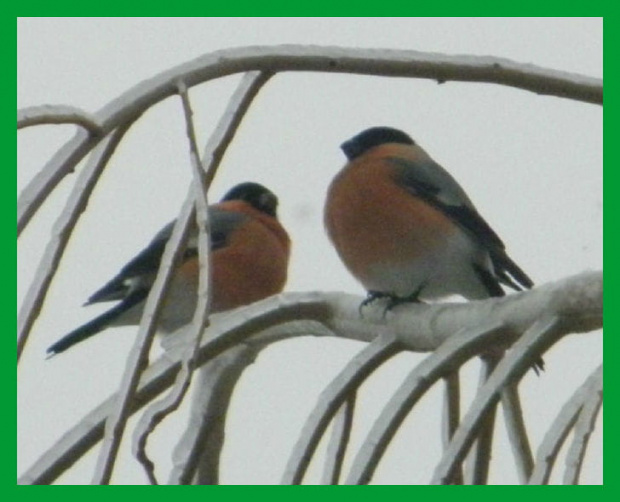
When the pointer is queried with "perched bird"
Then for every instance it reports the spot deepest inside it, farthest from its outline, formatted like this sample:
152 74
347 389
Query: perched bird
405 228
249 261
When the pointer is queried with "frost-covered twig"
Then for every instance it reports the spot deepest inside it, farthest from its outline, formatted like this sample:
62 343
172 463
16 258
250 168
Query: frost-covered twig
481 454
561 427
541 335
273 59
58 114
332 398
517 432
450 355
451 415
158 411
137 358
576 300
583 430
338 441
62 230
196 457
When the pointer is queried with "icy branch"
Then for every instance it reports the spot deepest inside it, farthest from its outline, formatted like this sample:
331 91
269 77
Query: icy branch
272 59
48 114
62 230
575 301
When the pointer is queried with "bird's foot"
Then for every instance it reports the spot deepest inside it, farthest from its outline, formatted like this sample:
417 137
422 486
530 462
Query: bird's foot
370 298
393 300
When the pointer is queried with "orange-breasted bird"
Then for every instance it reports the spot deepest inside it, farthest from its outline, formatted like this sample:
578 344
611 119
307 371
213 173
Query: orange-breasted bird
249 260
406 229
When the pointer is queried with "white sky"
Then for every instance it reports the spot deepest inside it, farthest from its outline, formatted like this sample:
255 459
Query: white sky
531 164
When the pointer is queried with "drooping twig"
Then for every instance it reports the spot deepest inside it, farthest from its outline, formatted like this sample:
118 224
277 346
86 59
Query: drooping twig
481 454
451 354
561 427
576 300
583 430
541 335
204 173
517 432
63 228
332 398
451 415
273 59
59 114
337 447
197 455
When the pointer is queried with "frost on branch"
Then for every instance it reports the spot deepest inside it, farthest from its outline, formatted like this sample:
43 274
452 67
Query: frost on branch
522 325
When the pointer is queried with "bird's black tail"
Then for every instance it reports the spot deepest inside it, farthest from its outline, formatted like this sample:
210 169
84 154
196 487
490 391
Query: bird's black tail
98 324
507 270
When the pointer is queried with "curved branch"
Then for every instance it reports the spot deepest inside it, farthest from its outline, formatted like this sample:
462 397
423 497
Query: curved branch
63 228
273 59
332 398
517 432
576 300
541 335
561 427
583 430
338 441
60 114
452 354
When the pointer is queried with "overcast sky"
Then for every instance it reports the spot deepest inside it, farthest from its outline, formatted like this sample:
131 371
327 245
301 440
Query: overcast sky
531 164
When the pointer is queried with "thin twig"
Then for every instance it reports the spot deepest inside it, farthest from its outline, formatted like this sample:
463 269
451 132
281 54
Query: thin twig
63 228
577 300
452 414
160 410
337 447
517 432
561 427
481 454
272 59
335 394
60 114
138 357
197 454
583 430
452 353
541 335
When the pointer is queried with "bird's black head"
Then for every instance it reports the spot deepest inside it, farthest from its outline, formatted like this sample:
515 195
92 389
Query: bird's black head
255 195
372 137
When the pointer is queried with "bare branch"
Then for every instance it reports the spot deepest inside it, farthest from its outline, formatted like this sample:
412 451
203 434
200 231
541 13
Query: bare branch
452 415
272 59
138 357
454 352
158 411
541 335
197 455
61 164
583 430
561 427
517 432
63 228
576 300
481 454
332 398
61 114
338 442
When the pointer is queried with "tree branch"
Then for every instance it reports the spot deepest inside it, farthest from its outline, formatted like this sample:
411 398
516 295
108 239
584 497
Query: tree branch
541 335
60 114
273 59
62 230
577 301
561 427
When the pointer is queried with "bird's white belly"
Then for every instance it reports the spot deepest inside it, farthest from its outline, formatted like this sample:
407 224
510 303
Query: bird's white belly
447 271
